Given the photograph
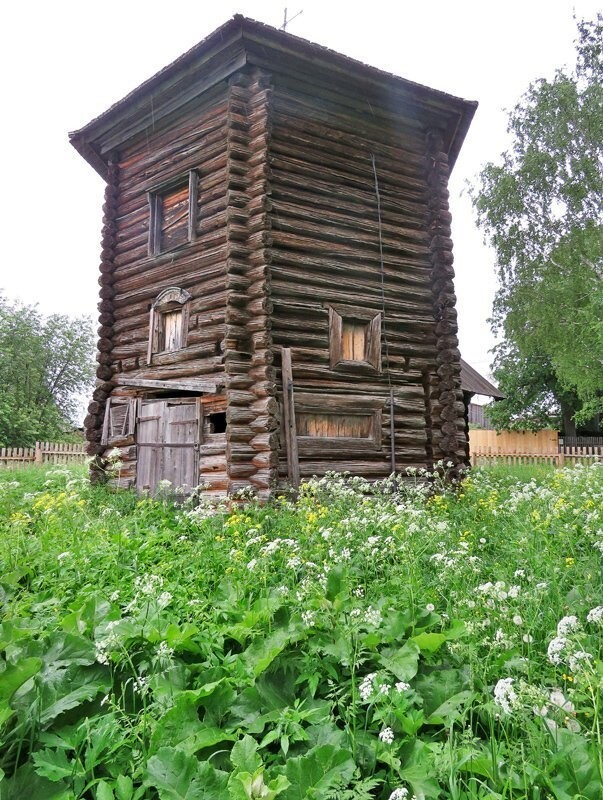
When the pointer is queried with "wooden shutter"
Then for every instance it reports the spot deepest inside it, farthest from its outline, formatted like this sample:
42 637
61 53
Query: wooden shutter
120 419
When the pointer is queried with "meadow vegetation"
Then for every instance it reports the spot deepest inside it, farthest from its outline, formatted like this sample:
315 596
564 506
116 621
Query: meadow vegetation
356 643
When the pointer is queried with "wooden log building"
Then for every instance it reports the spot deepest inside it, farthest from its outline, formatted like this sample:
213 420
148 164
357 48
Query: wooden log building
276 271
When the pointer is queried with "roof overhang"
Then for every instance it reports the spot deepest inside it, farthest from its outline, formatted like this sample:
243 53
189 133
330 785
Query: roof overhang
474 383
242 41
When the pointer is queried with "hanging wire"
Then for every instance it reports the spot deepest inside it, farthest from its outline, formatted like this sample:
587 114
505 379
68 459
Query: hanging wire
383 324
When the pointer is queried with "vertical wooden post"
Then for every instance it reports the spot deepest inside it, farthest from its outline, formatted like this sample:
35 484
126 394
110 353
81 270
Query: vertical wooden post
38 453
290 426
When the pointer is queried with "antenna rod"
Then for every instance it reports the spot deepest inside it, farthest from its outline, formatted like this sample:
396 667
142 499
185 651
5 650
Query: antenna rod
287 21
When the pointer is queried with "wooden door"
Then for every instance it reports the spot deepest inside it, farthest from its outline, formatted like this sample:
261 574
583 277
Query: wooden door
167 435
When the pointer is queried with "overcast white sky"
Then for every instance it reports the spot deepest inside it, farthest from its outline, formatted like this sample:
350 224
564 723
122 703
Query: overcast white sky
66 61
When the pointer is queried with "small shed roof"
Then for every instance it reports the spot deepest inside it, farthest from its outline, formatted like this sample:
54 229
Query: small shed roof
473 382
242 41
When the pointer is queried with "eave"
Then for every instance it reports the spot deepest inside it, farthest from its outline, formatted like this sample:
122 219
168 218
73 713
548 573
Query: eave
242 41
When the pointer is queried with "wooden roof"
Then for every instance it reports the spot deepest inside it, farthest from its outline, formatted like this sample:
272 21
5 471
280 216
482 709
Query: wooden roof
242 41
472 381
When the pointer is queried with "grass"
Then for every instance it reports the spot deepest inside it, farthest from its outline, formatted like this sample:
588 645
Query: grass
353 644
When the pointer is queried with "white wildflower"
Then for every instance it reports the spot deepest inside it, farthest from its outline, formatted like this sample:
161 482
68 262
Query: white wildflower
517 620
309 618
567 625
365 689
430 607
141 685
372 616
399 794
595 615
527 638
251 565
505 695
557 698
402 686
579 660
555 648
386 736
164 599
164 653
102 655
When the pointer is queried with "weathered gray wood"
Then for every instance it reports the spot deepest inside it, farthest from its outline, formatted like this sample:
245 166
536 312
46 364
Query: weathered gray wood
192 385
289 413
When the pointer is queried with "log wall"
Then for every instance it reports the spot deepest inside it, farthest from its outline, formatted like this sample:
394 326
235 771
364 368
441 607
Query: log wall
132 278
250 380
344 237
317 210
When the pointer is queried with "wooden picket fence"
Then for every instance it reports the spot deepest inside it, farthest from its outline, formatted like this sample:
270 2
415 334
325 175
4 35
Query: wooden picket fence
527 447
566 456
42 453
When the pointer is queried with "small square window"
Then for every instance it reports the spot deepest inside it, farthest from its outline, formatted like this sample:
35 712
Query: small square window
354 339
173 214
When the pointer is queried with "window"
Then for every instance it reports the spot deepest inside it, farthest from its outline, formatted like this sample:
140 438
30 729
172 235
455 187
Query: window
173 214
354 339
168 323
341 424
119 421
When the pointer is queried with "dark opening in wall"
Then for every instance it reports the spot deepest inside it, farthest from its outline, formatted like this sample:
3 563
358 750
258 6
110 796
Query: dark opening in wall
217 422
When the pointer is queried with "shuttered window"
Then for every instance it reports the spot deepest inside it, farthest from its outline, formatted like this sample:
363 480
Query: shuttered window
354 339
173 211
120 419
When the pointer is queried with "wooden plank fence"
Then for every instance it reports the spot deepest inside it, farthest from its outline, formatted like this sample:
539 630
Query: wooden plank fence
482 456
527 447
42 453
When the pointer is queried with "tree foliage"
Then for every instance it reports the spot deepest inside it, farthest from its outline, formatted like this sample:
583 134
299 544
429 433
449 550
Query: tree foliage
44 364
541 208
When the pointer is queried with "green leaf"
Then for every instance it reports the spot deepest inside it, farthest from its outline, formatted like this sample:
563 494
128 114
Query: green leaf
429 642
261 653
124 788
54 764
334 582
11 679
178 776
402 662
244 755
27 785
67 649
449 711
181 725
419 778
69 689
439 686
320 770
104 791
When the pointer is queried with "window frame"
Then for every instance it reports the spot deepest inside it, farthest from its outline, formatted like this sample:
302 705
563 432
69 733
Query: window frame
169 300
155 198
340 315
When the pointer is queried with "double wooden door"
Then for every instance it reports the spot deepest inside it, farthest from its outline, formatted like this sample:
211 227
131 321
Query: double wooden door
167 436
